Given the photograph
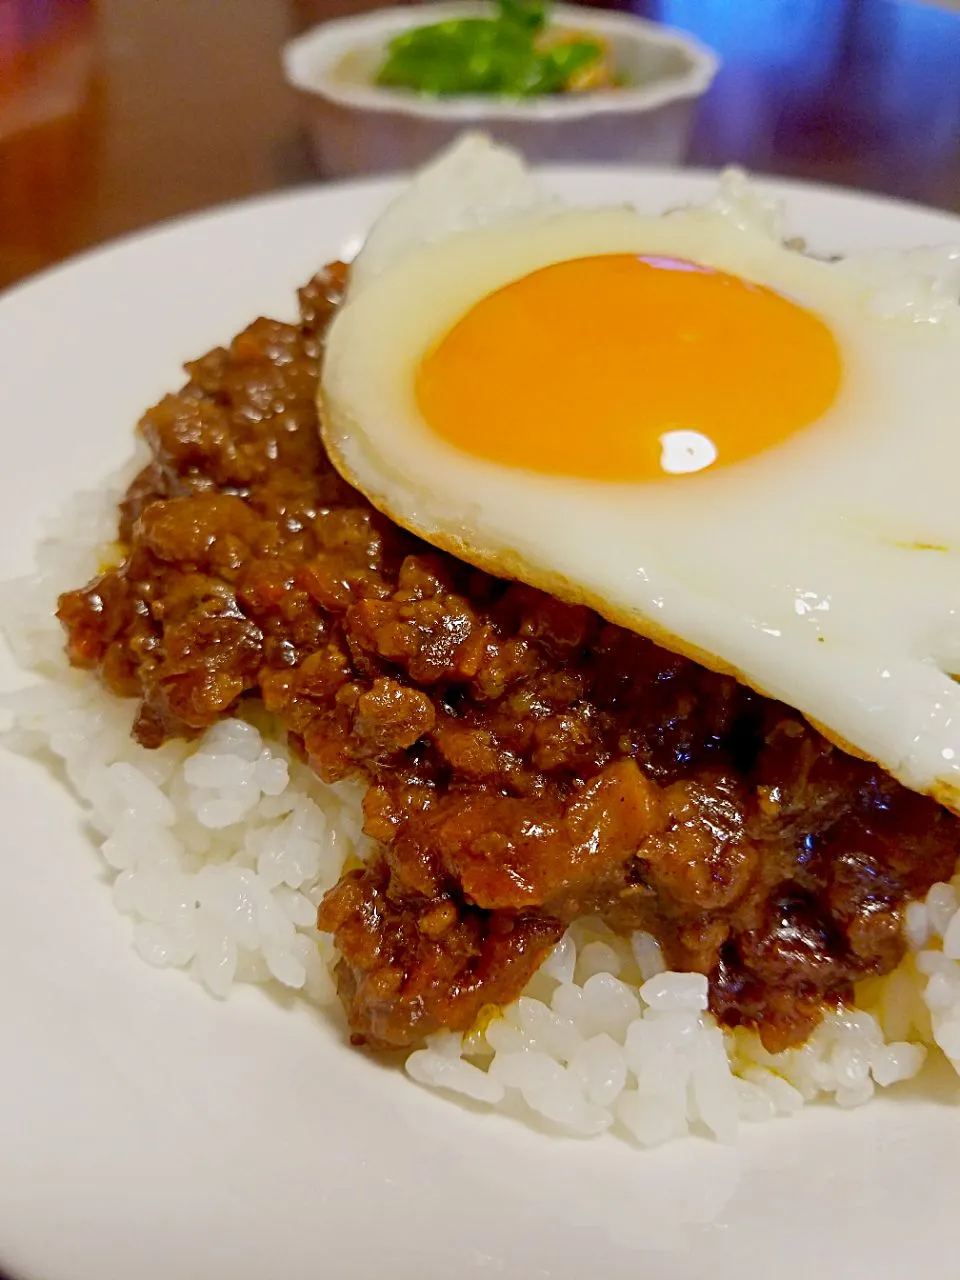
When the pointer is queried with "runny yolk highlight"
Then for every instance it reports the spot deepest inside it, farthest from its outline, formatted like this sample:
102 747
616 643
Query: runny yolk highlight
628 368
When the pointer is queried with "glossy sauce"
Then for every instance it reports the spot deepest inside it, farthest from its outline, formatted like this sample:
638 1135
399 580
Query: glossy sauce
525 762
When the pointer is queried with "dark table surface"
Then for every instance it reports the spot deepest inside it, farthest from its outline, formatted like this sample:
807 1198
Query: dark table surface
117 113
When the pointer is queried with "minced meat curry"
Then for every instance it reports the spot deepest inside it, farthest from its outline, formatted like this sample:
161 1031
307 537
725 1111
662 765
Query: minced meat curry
526 762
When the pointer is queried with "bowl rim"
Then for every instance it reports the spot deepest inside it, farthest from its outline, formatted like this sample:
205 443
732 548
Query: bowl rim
310 59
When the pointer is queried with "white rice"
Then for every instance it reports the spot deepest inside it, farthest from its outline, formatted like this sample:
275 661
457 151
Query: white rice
221 849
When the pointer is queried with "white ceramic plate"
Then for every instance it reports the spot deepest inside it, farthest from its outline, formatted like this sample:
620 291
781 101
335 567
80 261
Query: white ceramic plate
148 1132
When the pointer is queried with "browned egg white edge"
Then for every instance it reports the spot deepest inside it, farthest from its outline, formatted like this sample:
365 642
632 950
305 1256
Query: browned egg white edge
506 564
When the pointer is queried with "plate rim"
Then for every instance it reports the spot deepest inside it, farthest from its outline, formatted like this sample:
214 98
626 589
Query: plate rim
391 184
181 224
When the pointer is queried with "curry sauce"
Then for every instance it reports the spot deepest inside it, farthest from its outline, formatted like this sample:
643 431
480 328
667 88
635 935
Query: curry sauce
525 762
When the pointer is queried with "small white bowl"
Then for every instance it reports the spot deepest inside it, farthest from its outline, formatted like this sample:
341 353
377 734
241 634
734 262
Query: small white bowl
358 127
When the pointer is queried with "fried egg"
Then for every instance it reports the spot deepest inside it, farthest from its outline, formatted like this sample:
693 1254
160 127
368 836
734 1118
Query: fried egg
746 454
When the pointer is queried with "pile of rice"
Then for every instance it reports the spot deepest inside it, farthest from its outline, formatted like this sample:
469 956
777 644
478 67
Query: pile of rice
222 848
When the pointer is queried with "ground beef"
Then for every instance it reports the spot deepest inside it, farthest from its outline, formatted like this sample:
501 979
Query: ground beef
526 762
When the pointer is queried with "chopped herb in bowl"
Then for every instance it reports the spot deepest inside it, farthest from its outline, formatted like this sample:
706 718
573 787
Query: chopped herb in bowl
513 53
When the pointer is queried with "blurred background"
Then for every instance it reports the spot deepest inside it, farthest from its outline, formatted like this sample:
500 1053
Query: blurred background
117 113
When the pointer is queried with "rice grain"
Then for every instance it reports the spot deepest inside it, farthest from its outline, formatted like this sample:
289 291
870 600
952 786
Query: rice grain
221 849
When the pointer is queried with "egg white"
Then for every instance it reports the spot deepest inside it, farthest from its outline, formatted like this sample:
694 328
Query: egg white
824 572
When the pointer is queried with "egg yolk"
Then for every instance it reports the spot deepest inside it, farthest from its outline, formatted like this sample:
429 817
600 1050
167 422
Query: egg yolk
623 367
